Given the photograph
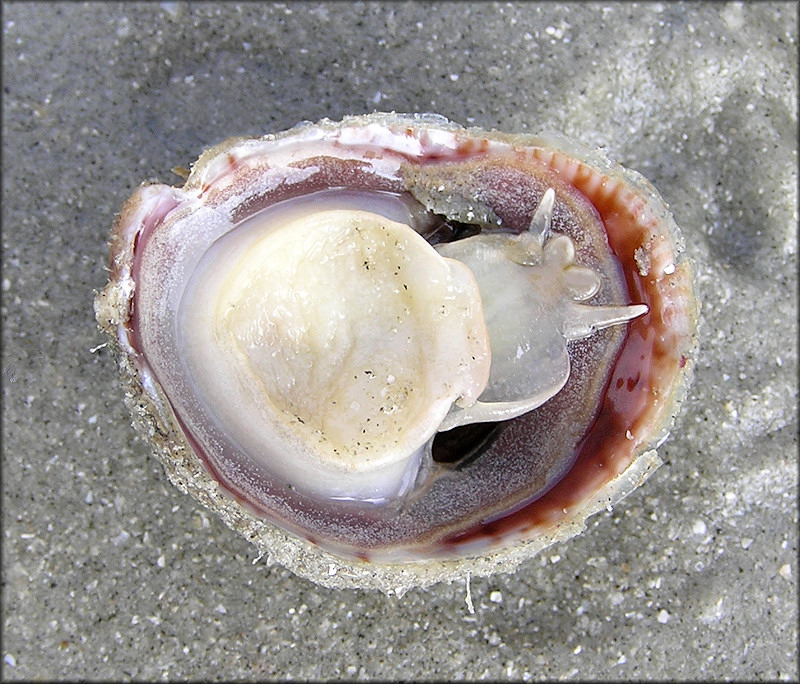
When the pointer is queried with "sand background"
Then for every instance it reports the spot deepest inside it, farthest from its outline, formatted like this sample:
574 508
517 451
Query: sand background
110 573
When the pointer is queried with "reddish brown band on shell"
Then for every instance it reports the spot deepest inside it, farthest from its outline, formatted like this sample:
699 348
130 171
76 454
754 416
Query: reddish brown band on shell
636 397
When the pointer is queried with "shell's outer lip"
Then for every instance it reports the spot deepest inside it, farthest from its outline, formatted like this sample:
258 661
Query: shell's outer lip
661 278
399 138
666 284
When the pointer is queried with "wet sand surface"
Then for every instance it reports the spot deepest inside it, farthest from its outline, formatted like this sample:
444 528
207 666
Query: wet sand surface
111 573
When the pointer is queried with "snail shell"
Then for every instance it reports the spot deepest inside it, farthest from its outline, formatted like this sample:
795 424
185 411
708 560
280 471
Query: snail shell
392 350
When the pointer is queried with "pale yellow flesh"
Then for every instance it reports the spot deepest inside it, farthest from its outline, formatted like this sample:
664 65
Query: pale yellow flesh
337 342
